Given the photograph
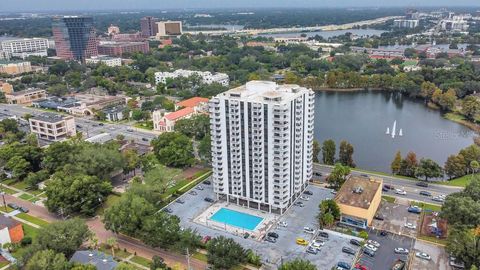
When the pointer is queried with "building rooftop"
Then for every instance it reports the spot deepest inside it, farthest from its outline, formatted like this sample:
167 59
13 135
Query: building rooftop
7 222
28 91
100 260
121 43
179 114
192 102
116 109
56 102
49 117
358 191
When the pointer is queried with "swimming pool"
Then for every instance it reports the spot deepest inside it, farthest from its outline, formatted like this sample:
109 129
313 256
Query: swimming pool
236 219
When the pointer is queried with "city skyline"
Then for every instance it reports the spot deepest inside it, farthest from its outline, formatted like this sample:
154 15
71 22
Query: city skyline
56 5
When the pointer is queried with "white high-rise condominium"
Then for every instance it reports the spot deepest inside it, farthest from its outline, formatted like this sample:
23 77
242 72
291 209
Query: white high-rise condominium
262 140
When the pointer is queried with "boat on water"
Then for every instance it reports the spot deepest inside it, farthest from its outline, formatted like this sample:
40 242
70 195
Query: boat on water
388 131
400 133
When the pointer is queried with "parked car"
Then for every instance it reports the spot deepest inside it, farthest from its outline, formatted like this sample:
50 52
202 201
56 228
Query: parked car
383 233
344 265
425 193
423 255
301 241
199 187
101 124
145 139
371 247
208 199
400 192
317 243
323 234
456 263
305 198
297 203
422 184
282 224
414 209
23 209
309 230
360 267
379 217
400 250
410 225
384 189
192 192
270 239
13 206
312 250
167 210
128 129
180 201
273 234
364 175
369 252
207 182
388 186
355 242
348 250
308 192
246 235
373 243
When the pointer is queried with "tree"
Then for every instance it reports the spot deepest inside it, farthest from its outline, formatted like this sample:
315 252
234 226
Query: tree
77 193
396 163
328 152
205 149
316 150
298 264
132 160
455 166
225 253
158 263
47 260
329 212
470 107
428 169
427 89
345 155
409 165
173 149
63 236
19 167
195 127
112 242
338 175
471 153
448 99
464 244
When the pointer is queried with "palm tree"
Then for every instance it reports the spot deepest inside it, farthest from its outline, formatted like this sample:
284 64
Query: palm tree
112 242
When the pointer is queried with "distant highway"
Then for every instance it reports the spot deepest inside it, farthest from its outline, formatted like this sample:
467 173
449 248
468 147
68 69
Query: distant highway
409 186
330 27
88 127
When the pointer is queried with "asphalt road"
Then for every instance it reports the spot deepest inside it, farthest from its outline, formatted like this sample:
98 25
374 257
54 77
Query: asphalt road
88 127
409 186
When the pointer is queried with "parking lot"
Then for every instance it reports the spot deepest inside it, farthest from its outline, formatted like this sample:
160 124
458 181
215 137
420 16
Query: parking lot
285 248
395 217
385 256
439 257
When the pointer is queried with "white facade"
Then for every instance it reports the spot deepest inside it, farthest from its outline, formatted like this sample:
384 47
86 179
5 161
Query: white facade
26 47
52 127
169 28
262 140
109 61
206 76
406 23
454 25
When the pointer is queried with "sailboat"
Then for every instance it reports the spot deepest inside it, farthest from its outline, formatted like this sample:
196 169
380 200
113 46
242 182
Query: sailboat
394 128
388 131
400 133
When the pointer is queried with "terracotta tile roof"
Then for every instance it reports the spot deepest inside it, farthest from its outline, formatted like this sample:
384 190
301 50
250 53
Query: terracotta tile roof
179 114
192 102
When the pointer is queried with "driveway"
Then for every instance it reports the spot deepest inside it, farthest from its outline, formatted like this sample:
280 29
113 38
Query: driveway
439 256
395 217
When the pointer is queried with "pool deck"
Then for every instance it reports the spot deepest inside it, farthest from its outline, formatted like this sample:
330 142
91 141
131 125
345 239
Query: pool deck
258 233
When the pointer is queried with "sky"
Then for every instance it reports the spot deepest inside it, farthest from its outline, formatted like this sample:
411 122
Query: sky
61 5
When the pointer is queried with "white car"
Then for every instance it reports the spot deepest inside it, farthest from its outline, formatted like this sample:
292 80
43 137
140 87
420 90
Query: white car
410 225
400 192
282 224
423 255
401 250
373 243
308 230
317 244
371 247
305 198
199 187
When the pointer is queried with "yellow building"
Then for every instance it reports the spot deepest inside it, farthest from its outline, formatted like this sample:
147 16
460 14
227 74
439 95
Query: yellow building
358 199
25 97
13 68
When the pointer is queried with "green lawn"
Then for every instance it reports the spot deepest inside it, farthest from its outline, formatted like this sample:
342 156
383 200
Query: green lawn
385 174
140 260
34 220
119 253
200 256
427 206
459 182
3 264
8 191
442 242
389 199
20 185
144 125
26 197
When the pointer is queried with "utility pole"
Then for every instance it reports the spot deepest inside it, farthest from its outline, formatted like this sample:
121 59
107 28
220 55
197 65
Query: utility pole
188 260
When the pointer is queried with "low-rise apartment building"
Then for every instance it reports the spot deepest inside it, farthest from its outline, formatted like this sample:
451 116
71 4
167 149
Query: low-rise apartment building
26 47
53 127
121 48
15 67
25 97
107 60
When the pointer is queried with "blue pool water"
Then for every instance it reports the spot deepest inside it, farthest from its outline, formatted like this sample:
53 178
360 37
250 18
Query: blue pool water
237 219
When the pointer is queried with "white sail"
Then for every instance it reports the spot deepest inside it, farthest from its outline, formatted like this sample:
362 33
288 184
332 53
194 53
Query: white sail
400 133
394 128
388 130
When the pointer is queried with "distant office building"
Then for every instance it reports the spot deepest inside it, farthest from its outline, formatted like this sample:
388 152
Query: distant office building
107 60
262 140
52 127
129 37
206 76
25 97
169 28
15 67
26 47
4 55
410 24
113 30
148 26
454 25
121 48
75 38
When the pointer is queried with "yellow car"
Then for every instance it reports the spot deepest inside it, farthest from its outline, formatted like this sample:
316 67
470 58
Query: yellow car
301 241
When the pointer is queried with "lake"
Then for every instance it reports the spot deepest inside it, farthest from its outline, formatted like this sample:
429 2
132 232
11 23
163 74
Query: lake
329 34
362 119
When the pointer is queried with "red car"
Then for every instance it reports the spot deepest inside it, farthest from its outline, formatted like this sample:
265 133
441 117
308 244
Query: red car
360 267
206 239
